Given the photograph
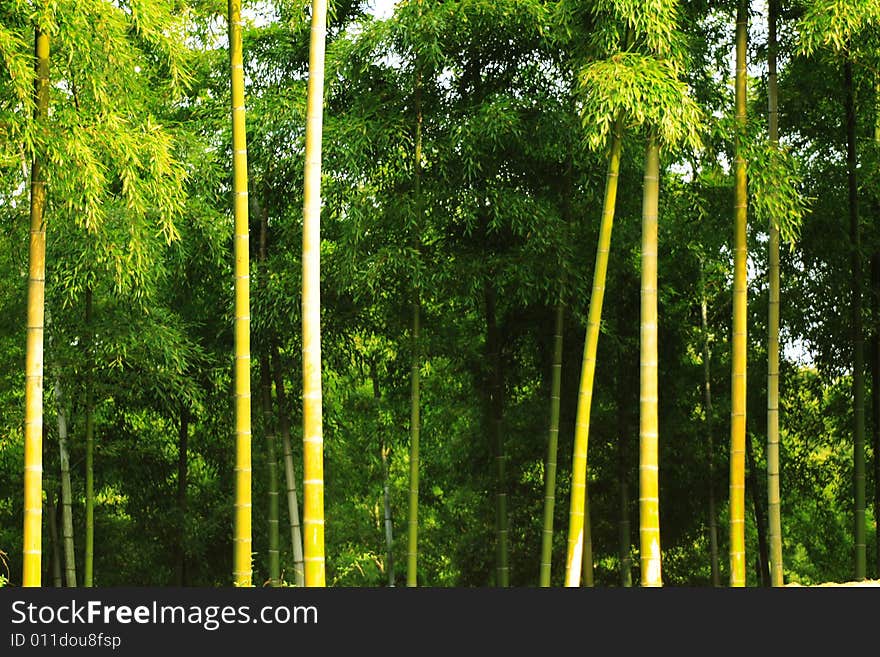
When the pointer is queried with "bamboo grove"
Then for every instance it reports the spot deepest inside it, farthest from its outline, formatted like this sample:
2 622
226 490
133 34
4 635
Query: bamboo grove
528 293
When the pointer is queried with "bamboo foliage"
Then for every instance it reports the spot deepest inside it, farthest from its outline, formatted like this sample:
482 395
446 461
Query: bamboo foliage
242 567
33 421
649 496
738 369
313 436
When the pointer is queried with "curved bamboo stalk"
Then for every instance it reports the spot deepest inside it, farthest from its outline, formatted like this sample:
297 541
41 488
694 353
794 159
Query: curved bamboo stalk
242 568
574 553
33 392
313 433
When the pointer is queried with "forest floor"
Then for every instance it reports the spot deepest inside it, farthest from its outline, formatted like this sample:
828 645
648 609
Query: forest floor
867 582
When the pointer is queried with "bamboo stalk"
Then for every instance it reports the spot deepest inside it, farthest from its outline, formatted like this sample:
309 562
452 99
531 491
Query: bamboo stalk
33 392
313 434
649 495
242 567
740 345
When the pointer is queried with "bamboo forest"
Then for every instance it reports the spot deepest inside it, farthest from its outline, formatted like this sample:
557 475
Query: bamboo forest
439 293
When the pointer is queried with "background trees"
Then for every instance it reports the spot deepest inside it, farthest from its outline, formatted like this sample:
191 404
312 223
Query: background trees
465 155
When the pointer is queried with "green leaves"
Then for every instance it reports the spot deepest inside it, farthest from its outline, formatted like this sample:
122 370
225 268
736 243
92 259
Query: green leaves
775 185
648 92
835 24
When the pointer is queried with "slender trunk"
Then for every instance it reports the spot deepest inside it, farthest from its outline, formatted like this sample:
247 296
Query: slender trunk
623 524
858 340
552 447
412 549
242 566
414 434
313 432
66 493
875 393
773 495
53 536
574 553
649 493
740 345
33 391
289 472
710 436
386 490
88 565
271 471
496 404
760 516
182 471
273 552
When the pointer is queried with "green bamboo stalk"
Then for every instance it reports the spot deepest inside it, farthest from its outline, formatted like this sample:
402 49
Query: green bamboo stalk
414 434
552 447
53 535
710 434
33 391
773 496
88 565
272 472
289 472
574 553
385 452
740 345
66 492
858 338
649 497
242 566
313 432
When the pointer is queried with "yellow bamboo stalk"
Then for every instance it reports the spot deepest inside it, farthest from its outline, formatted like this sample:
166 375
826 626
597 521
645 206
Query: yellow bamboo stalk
33 391
313 436
242 567
738 371
649 495
574 555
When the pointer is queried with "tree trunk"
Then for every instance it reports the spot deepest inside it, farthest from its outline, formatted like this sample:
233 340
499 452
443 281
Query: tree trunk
858 340
574 553
414 434
710 436
649 496
271 471
33 391
386 491
875 393
496 406
66 493
242 566
740 309
182 471
760 516
313 433
552 447
773 496
289 472
623 523
88 565
53 536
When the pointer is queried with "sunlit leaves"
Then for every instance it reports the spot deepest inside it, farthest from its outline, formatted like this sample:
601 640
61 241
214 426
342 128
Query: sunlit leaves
835 24
647 91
